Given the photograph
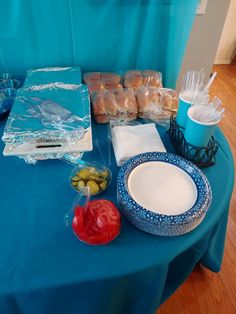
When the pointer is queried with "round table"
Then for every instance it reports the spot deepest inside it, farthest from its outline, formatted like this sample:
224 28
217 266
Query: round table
45 269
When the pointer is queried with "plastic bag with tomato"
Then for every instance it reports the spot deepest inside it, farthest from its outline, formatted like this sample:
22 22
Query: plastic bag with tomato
96 222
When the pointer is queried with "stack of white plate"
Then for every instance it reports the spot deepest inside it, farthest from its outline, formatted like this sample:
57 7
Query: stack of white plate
163 194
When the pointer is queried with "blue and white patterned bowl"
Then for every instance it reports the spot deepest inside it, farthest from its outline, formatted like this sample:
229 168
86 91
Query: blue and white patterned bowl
160 224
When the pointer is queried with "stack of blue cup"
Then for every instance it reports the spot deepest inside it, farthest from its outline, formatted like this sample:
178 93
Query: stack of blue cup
198 133
182 115
8 89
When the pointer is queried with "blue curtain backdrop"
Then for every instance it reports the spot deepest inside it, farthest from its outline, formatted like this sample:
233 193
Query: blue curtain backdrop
95 34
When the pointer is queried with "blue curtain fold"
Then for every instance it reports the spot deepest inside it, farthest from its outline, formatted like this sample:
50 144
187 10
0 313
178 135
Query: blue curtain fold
95 34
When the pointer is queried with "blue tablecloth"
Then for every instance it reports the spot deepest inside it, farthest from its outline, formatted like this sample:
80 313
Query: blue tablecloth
45 269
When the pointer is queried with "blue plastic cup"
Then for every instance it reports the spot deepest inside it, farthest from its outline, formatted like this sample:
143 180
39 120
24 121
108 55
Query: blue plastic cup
183 107
2 99
10 92
198 133
5 76
9 84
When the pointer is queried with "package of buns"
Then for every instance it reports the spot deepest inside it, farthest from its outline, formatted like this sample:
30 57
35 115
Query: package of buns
136 78
114 104
156 104
98 81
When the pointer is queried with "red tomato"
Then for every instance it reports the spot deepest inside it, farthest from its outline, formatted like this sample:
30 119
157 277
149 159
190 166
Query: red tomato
100 223
78 220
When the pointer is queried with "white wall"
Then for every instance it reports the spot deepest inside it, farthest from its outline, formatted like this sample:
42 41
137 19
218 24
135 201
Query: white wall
204 38
227 46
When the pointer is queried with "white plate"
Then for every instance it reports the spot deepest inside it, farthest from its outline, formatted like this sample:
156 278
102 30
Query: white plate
162 188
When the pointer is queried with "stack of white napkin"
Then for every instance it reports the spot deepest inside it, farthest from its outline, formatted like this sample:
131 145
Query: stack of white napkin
129 141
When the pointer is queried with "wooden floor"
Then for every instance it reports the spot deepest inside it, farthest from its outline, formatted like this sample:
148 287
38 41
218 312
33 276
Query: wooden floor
205 292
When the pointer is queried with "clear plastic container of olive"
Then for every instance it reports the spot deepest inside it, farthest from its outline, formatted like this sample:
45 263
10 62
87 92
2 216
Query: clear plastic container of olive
93 175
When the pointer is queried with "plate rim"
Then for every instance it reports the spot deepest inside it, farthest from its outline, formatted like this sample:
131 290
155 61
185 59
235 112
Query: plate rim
200 207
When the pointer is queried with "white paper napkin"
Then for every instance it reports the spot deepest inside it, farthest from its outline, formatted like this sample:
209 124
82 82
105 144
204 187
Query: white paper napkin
129 141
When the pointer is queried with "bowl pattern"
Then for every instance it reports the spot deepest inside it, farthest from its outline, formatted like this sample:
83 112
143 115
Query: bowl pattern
160 224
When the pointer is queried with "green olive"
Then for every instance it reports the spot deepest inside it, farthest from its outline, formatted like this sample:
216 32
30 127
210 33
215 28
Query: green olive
80 185
103 185
93 187
83 173
92 177
93 171
95 178
75 178
104 174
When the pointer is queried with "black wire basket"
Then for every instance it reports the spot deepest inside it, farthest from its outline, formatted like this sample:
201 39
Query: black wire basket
200 156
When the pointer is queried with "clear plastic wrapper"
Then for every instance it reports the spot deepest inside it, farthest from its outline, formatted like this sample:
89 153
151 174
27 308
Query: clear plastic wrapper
92 175
136 78
157 104
36 114
81 200
50 117
49 121
71 75
98 81
72 158
114 104
94 222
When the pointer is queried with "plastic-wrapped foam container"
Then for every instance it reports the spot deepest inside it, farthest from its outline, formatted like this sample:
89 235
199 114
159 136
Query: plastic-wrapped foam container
49 120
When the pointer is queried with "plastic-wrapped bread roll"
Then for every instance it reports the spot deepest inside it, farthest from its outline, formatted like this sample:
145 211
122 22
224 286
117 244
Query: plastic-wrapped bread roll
148 98
98 104
135 78
121 99
108 85
104 106
131 103
126 103
110 103
111 76
169 99
115 104
95 86
101 118
93 81
156 104
91 77
111 80
99 109
152 78
97 81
